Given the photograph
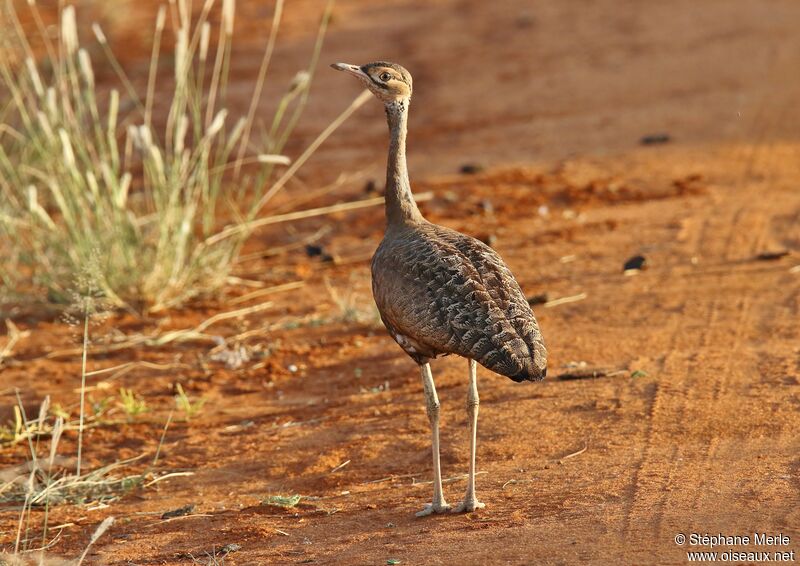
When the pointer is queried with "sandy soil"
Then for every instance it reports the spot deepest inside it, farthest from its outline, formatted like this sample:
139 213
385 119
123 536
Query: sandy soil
552 100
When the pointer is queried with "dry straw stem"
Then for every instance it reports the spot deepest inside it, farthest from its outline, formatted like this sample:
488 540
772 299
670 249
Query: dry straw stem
14 336
565 300
101 529
279 184
267 291
447 480
262 74
122 369
573 454
187 334
198 330
310 213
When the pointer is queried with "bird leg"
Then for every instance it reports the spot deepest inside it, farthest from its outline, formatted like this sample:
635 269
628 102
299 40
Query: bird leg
438 505
471 502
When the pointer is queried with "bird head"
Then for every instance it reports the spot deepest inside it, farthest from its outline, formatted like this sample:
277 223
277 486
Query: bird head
389 82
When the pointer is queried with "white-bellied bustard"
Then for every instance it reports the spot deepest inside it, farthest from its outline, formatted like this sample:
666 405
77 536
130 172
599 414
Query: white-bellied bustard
441 292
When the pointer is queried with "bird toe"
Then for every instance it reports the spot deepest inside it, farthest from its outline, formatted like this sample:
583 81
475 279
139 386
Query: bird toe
431 508
468 506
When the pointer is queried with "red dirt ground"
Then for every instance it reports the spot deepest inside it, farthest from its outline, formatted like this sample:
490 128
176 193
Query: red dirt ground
552 99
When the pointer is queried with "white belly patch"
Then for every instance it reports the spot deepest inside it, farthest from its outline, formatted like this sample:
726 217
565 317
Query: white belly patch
405 343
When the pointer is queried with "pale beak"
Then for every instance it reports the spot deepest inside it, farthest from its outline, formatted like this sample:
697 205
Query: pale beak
352 69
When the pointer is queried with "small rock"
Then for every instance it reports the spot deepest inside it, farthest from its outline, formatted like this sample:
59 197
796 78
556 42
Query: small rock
229 548
371 187
524 21
636 263
179 512
313 251
655 139
470 169
292 368
318 251
772 255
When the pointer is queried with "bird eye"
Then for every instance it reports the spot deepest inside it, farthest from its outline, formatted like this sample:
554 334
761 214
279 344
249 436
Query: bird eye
385 77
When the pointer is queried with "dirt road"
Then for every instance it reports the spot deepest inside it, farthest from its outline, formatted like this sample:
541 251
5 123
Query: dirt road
697 435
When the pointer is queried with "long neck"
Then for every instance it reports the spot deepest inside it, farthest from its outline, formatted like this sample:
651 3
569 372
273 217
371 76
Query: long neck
400 205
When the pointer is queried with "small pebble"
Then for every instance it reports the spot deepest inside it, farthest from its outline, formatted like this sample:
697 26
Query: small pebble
470 169
229 548
524 21
637 262
318 251
772 255
655 139
313 251
179 512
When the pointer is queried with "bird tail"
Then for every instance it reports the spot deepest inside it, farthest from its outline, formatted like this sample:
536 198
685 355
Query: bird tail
527 362
535 367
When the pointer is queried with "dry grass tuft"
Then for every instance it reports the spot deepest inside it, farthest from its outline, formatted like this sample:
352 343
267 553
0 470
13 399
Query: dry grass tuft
92 175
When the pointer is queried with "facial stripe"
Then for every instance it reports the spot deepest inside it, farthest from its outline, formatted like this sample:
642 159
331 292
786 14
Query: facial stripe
377 83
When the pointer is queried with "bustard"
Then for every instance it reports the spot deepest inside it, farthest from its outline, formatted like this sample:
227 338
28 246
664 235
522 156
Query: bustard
441 292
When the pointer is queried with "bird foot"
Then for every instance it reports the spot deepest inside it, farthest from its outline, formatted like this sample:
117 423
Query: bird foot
468 505
430 508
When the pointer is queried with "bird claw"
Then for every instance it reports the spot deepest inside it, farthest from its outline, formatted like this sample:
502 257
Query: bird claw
468 506
431 508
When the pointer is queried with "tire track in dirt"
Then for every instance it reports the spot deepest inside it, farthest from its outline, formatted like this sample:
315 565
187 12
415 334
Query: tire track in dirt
723 382
727 376
656 485
646 468
726 392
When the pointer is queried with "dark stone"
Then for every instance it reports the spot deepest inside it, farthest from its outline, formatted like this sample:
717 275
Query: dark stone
772 255
655 139
313 251
179 512
470 168
636 262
